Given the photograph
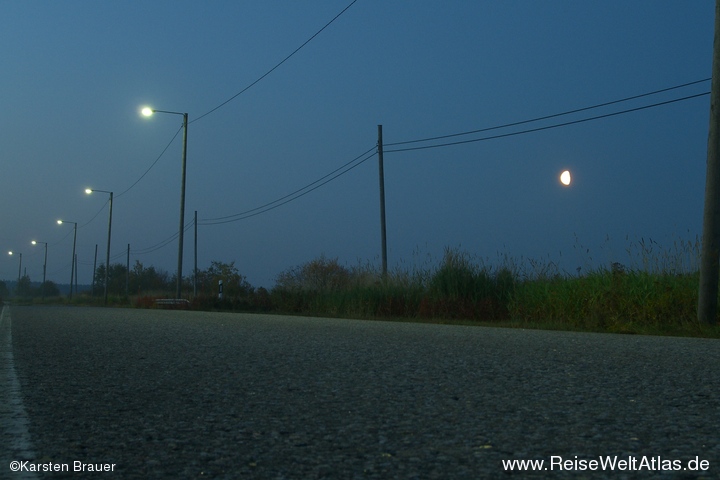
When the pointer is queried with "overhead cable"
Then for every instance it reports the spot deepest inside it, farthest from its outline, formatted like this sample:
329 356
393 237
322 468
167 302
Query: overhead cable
167 241
546 117
364 156
230 99
275 67
95 216
547 127
136 181
296 194
153 164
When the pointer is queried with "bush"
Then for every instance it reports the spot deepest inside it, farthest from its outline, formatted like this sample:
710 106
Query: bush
319 275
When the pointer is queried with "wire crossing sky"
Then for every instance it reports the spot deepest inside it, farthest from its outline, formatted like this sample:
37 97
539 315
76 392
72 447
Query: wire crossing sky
554 115
76 74
346 167
275 67
547 127
316 184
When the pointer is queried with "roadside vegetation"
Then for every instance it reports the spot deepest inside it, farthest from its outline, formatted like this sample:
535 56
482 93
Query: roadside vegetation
655 293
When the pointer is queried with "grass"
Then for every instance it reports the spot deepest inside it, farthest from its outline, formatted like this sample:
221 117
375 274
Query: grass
655 294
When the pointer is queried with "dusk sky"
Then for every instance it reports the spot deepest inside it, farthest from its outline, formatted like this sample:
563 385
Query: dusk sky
75 74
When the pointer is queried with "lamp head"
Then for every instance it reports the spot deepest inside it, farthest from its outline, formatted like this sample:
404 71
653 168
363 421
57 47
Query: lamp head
88 191
34 242
147 111
60 222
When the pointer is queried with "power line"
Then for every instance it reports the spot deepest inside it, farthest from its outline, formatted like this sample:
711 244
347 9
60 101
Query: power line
228 101
272 205
164 243
276 66
546 117
548 127
151 166
344 168
152 248
136 181
95 216
294 195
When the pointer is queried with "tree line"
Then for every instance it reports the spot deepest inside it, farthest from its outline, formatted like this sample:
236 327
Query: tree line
142 280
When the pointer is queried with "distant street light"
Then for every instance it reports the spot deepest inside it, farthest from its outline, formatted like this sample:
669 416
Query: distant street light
20 267
147 111
107 256
72 264
35 242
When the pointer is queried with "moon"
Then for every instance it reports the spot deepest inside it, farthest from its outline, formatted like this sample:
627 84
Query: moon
565 178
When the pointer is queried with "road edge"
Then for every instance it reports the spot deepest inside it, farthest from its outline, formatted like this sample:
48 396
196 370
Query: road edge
14 420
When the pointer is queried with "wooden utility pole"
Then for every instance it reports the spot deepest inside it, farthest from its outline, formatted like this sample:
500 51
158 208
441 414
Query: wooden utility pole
195 269
381 171
127 273
709 264
94 270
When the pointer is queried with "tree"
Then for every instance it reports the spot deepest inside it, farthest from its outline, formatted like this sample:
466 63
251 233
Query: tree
234 284
48 289
148 279
116 279
24 287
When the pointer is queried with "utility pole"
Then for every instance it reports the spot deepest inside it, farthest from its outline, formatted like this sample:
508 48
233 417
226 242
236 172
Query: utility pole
127 273
383 237
107 255
195 270
94 270
178 293
73 268
710 254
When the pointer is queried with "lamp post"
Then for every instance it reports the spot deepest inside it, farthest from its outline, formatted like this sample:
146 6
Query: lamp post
19 267
147 111
72 263
107 256
35 242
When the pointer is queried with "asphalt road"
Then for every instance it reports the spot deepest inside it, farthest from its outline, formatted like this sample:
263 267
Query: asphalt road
168 394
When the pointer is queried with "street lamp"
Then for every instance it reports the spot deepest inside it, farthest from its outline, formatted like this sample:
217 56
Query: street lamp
35 242
147 111
72 264
20 267
107 256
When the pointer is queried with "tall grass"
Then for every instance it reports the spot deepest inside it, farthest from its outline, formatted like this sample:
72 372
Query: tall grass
457 289
612 300
656 292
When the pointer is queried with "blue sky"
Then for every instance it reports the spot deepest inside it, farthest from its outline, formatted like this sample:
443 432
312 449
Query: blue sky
75 74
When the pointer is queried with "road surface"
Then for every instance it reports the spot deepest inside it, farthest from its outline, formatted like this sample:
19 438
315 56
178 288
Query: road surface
177 394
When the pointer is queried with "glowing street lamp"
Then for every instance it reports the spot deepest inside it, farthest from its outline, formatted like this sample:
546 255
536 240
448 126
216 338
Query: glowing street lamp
35 242
72 264
107 255
147 111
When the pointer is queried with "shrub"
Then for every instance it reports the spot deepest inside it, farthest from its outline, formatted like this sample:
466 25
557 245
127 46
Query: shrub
319 275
